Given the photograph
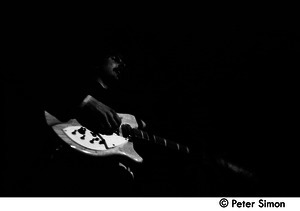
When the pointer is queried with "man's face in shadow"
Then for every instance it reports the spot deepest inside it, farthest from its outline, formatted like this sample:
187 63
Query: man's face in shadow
112 71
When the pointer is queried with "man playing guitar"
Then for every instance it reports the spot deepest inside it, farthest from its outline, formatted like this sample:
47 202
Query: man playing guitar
66 92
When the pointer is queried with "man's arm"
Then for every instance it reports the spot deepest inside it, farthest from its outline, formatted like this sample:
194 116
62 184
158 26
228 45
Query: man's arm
97 116
67 96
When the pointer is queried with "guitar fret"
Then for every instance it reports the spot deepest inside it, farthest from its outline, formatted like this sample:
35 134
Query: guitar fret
154 138
158 140
142 134
146 134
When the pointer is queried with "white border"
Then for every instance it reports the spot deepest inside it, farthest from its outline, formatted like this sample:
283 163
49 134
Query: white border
135 204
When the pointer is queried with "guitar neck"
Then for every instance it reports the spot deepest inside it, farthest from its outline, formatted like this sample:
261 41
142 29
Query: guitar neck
139 134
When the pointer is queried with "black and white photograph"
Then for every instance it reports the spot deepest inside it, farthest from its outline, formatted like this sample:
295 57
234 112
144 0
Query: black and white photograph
193 106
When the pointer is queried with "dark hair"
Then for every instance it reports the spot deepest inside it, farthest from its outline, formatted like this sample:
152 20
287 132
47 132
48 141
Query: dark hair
109 41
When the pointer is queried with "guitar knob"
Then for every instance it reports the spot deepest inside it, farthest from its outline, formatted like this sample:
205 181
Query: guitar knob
93 140
82 137
82 130
74 132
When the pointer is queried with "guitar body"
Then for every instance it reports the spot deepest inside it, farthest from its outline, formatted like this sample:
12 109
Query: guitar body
85 141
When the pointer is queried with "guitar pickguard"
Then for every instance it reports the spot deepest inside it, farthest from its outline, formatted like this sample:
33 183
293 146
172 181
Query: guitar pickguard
94 144
93 141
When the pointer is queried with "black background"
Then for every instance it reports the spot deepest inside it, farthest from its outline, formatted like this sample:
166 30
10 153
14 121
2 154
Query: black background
223 86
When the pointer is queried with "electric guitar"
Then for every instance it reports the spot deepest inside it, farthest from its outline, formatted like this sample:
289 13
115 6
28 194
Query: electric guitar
119 143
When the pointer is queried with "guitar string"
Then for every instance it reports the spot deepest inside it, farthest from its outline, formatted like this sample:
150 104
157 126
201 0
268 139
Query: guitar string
162 140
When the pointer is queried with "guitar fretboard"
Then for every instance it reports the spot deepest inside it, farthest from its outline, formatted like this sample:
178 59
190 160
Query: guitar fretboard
135 133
